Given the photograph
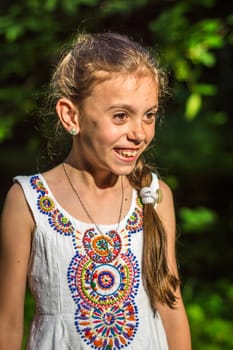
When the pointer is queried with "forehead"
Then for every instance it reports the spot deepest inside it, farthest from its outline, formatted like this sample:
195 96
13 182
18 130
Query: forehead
124 81
138 92
142 72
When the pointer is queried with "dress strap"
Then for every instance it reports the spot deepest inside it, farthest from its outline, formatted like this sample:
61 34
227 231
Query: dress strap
29 193
156 188
155 182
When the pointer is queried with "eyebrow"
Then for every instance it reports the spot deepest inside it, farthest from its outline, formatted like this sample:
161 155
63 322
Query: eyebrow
129 108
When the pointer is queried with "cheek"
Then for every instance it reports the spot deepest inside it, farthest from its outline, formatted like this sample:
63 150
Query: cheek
107 134
150 133
101 137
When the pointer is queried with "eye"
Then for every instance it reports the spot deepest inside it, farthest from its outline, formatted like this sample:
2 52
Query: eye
150 117
120 117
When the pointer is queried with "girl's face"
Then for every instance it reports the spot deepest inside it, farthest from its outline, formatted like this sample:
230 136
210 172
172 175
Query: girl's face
117 123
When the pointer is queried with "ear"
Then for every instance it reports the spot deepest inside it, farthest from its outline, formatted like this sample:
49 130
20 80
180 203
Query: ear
68 114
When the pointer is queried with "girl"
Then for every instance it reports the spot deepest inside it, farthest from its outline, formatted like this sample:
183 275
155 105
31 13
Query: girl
95 235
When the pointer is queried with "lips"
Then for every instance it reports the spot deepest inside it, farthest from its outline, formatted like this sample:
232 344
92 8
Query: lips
126 153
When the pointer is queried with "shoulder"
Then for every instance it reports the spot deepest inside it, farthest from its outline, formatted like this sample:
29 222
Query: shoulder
167 195
15 195
15 206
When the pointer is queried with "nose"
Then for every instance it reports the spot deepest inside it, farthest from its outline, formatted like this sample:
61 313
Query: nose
136 132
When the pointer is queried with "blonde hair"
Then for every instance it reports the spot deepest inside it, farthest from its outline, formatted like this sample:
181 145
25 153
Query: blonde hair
93 58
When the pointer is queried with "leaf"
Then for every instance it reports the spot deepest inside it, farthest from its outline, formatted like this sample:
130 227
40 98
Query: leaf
205 89
14 32
50 5
196 313
6 128
193 106
197 220
182 70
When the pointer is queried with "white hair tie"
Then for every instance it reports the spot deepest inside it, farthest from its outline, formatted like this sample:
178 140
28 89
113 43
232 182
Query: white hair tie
148 196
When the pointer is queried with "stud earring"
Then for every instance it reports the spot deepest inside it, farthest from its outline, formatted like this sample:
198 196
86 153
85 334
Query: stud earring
73 132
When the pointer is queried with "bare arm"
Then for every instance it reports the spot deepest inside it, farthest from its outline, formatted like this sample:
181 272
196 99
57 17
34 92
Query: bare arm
175 320
15 245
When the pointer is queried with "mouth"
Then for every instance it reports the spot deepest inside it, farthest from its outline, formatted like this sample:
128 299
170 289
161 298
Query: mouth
127 154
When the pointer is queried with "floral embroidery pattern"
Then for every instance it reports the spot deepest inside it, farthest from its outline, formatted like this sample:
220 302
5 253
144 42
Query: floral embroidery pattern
38 185
103 276
106 315
135 221
103 284
108 328
46 205
102 248
60 223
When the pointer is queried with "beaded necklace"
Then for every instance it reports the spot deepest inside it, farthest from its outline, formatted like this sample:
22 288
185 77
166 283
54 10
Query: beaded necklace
85 208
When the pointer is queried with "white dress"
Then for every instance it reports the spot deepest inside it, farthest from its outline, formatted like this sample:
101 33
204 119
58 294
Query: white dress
87 286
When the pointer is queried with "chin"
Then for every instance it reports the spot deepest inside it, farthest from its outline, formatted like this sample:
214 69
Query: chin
124 170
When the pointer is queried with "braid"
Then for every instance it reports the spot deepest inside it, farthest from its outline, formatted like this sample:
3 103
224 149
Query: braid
159 282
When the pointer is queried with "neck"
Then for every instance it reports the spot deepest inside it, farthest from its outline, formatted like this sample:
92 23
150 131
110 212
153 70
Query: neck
90 178
83 204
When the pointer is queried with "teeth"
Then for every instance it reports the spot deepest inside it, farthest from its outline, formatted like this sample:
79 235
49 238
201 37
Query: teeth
127 153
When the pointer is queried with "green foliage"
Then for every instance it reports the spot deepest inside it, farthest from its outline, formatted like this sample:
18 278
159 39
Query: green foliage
205 35
189 48
193 105
196 220
209 310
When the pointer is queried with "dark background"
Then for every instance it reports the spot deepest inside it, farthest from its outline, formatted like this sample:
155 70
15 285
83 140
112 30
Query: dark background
193 147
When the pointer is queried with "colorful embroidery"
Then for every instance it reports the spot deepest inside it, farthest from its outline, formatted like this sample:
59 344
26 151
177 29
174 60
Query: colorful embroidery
38 185
103 276
102 248
107 328
106 316
46 205
135 221
103 284
60 223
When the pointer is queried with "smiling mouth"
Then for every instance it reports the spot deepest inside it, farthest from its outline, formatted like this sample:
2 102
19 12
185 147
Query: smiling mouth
126 153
